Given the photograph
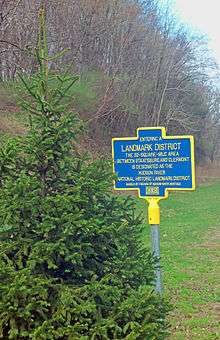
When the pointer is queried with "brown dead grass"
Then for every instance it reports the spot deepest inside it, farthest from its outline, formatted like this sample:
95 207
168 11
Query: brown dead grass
11 126
208 173
9 112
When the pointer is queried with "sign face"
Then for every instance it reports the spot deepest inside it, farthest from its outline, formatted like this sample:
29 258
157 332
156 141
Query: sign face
154 163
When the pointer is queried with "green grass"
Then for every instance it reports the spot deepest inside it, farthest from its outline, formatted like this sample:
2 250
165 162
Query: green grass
190 257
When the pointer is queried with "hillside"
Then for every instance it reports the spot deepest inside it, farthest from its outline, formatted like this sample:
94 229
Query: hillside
138 66
85 101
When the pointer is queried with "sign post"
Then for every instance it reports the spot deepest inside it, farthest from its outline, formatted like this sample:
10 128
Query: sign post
154 164
155 240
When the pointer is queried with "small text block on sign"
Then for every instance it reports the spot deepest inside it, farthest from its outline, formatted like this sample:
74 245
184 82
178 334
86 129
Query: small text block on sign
154 163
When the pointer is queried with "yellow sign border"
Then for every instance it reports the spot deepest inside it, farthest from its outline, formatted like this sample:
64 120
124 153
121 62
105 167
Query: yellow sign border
164 136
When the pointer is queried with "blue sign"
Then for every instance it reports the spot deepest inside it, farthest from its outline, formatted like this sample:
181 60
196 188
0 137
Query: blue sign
154 163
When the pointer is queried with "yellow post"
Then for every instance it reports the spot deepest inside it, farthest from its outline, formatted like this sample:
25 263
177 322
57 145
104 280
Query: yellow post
153 211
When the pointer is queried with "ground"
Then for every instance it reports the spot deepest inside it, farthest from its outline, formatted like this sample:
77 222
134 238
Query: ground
190 256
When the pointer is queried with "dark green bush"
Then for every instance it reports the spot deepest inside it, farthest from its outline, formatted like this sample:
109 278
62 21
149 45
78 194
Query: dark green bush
72 264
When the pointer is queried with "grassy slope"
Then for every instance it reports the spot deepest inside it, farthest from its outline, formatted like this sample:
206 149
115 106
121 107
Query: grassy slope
13 120
190 251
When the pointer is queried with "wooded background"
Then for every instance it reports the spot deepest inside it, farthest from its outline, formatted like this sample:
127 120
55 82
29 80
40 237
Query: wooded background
138 66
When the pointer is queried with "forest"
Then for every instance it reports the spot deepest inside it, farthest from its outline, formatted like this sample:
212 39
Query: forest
138 66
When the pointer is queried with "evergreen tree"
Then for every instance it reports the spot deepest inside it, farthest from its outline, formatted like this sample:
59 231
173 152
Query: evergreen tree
72 264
